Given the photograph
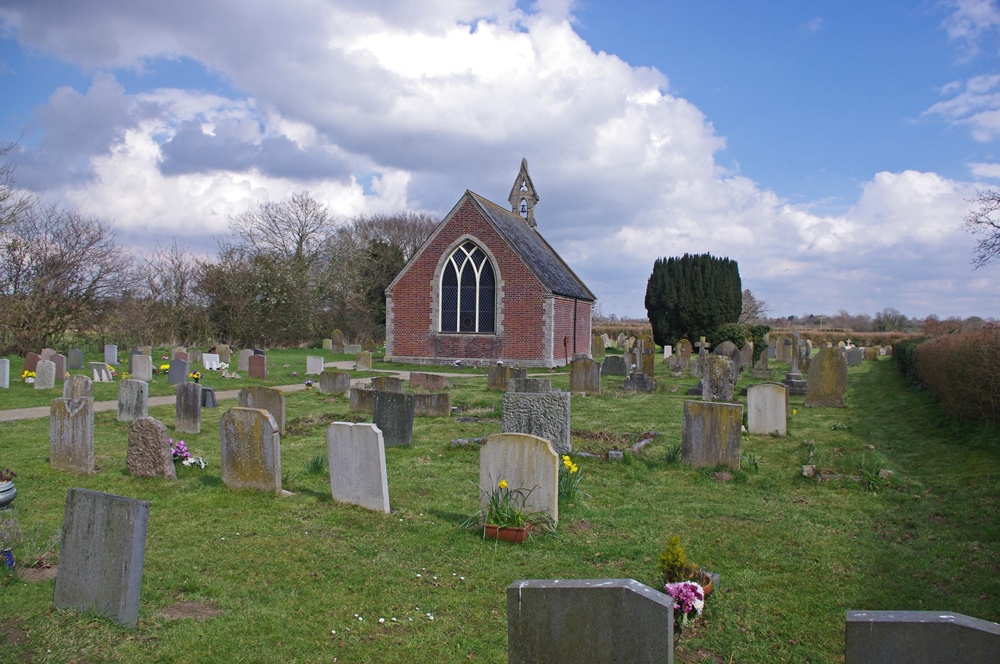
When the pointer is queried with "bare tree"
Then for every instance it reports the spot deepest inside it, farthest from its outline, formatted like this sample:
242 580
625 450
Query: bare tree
292 231
13 202
754 309
985 220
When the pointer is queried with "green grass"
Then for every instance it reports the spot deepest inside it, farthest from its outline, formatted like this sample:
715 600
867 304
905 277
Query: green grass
794 553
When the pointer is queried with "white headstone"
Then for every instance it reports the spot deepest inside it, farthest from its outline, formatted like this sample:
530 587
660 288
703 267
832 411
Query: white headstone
314 365
767 409
210 361
357 465
111 354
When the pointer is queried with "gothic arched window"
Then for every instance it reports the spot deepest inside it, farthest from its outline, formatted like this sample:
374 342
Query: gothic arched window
468 292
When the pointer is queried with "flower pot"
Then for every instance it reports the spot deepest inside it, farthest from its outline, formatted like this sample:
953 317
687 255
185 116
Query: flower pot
7 494
511 534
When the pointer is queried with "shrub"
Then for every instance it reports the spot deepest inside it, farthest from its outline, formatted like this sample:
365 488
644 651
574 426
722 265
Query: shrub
963 371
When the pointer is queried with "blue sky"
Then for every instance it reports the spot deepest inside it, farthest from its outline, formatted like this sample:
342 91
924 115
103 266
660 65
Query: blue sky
830 148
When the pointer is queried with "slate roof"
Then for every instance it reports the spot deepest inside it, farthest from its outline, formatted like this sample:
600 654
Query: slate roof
536 253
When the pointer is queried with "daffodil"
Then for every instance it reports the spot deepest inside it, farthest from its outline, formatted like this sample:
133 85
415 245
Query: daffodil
502 484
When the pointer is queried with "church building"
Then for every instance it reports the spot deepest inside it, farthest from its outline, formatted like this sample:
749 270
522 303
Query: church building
487 287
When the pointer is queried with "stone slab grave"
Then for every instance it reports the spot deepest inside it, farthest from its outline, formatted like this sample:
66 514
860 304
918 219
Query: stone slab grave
585 377
100 373
718 378
362 400
387 384
334 382
767 409
393 414
148 453
354 349
31 361
267 398
78 386
827 383
187 408
243 360
251 450
111 354
546 415
526 462
45 375
4 374
75 359
919 637
142 368
356 453
133 400
211 361
638 382
598 621
327 344
314 365
711 434
363 361
432 404
178 373
258 367
428 381
71 435
614 365
534 385
101 555
498 375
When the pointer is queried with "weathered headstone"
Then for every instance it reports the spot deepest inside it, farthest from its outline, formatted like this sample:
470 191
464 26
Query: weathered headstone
147 350
4 374
718 378
142 368
148 453
111 354
370 346
266 398
77 386
528 463
31 361
75 359
684 350
196 356
210 361
428 404
614 365
535 385
597 348
362 400
827 383
71 435
761 369
767 409
47 353
746 356
337 337
772 352
334 382
498 375
251 450
177 350
100 373
224 352
258 367
729 349
187 408
314 365
327 344
784 349
387 384
102 554
357 465
131 357
60 361
353 349
546 415
638 382
179 370
243 360
620 341
393 414
45 375
363 361
428 381
854 357
711 434
599 621
871 353
919 637
793 379
133 400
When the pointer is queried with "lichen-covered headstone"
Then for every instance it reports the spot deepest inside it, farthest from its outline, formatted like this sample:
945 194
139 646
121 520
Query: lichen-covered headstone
71 435
133 400
711 434
148 453
78 386
614 365
428 381
45 375
334 382
827 382
718 378
356 453
363 361
387 384
187 408
432 404
597 347
267 398
362 400
498 375
767 409
393 414
527 463
546 415
251 450
684 350
337 337
585 377
224 352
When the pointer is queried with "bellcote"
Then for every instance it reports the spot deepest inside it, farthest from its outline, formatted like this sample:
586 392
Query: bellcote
522 195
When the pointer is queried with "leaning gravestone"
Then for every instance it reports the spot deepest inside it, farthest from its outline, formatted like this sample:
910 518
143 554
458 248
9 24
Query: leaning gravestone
827 382
179 370
142 368
187 408
393 414
614 365
767 409
243 360
77 386
4 374
585 377
387 384
718 378
148 452
111 354
356 453
428 381
314 365
545 415
363 361
258 366
101 556
100 372
334 382
71 435
525 462
599 621
711 434
266 398
45 375
133 400
251 450
75 359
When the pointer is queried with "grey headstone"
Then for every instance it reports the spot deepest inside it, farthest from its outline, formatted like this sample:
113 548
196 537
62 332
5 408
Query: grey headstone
354 349
362 400
919 637
585 377
179 370
243 360
536 385
334 382
387 384
711 434
208 397
258 366
428 381
148 452
357 465
187 408
75 359
266 398
314 365
393 414
598 621
142 367
746 356
251 450
362 360
77 386
4 374
131 357
718 377
111 354
614 365
772 352
45 375
100 373
546 415
827 384
854 357
638 382
179 350
71 435
432 404
133 400
224 352
102 554
767 409
527 463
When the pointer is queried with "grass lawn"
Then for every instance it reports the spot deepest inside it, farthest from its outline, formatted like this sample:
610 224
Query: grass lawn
301 578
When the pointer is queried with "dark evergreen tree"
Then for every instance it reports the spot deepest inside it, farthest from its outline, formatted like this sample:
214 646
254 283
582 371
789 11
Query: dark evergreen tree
692 296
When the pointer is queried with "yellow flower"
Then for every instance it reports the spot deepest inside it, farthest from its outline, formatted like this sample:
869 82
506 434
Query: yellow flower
567 461
574 469
795 411
502 484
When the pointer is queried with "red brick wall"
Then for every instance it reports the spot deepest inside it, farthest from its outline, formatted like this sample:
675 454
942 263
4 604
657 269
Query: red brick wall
564 319
520 313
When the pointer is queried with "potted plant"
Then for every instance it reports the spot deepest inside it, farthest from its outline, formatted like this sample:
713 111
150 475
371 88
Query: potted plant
504 517
684 581
7 490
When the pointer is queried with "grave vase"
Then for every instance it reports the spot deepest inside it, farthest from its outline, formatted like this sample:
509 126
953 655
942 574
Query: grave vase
7 494
513 534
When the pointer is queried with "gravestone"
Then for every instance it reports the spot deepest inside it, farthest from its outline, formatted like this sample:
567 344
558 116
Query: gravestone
111 354
100 373
871 353
187 408
362 400
31 361
334 382
182 356
265 398
638 382
327 344
370 346
393 414
356 453
196 356
147 350
772 352
710 434
314 365
546 415
784 350
363 361
718 378
647 361
620 341
148 453
71 435
4 374
133 400
75 359
387 384
767 409
60 361
919 637
746 356
675 366
585 377
761 370
210 361
208 397
47 353
614 365
427 404
854 357
131 357
535 385
251 450
827 384
668 351
428 381
599 621
338 338
78 386
526 462
353 349
793 379
45 375
498 375
224 352
177 350
243 360
597 348
258 367
728 349
102 551
179 370
142 368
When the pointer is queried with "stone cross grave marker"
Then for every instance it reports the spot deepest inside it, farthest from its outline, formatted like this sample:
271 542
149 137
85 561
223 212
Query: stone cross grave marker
767 409
187 408
546 415
710 434
356 453
251 450
258 367
334 382
77 386
148 453
526 462
133 400
314 365
393 414
45 375
71 435
827 384
270 399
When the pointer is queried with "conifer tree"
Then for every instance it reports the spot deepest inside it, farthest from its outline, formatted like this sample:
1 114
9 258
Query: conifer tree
692 296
